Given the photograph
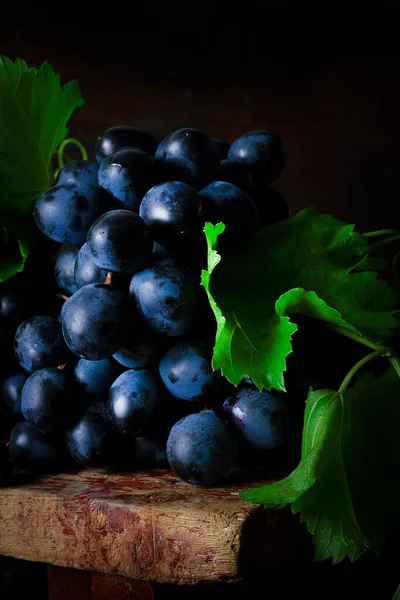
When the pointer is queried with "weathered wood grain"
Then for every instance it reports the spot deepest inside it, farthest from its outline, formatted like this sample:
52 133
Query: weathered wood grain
147 526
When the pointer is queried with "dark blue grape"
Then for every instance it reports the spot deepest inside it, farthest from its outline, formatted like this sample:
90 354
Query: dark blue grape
91 440
226 202
120 241
150 452
134 398
173 213
65 212
222 147
12 388
159 252
14 304
35 451
136 453
166 297
96 321
48 400
271 205
187 373
190 156
127 175
65 268
263 419
145 348
39 343
201 449
239 174
263 152
95 377
124 136
79 171
86 271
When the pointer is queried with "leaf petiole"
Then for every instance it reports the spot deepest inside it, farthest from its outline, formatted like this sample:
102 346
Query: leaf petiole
395 362
357 367
379 232
388 240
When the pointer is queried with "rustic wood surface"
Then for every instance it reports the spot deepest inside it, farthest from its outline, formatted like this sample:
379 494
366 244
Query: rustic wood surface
148 526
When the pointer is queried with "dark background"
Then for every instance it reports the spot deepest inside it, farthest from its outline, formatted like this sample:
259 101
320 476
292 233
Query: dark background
324 75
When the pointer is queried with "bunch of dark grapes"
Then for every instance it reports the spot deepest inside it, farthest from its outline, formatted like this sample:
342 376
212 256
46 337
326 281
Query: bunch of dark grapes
106 338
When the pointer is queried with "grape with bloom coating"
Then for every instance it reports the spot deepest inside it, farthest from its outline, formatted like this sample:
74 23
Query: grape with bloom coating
263 419
134 398
263 152
120 241
173 213
48 400
12 389
64 269
201 449
85 269
190 156
95 377
187 373
79 171
166 296
36 451
96 321
124 136
91 439
126 175
65 212
39 343
226 202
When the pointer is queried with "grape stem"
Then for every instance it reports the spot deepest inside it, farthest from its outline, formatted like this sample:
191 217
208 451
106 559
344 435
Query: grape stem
65 143
395 362
357 367
388 240
108 280
380 232
62 297
378 351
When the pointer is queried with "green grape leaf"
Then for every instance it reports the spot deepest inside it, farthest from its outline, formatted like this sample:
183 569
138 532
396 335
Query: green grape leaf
34 111
25 235
346 486
303 264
